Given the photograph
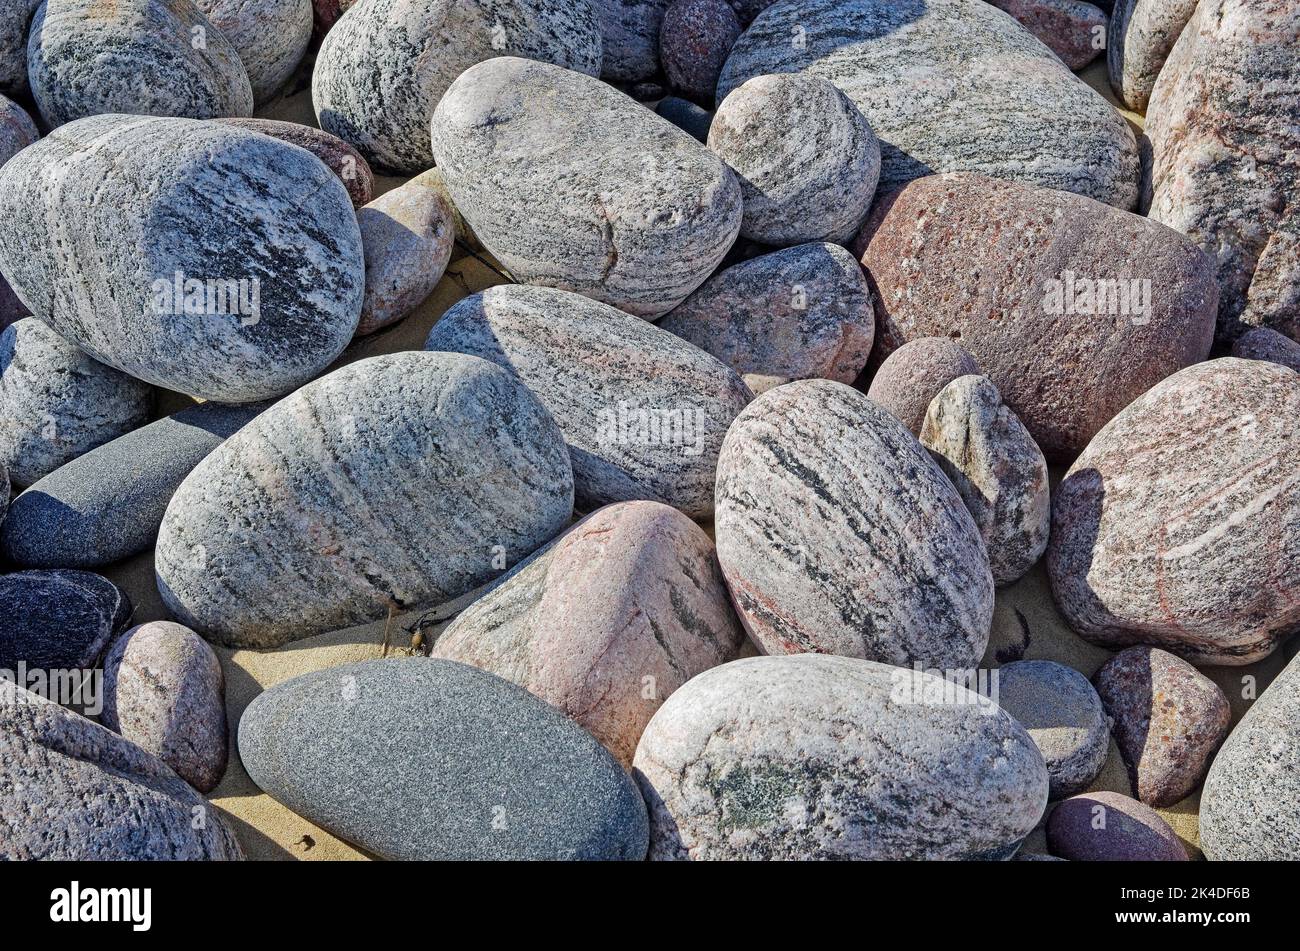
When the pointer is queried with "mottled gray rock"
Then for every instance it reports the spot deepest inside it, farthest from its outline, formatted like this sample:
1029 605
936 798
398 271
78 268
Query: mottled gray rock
270 37
58 620
386 63
629 31
1109 827
17 130
1063 716
164 691
838 533
395 482
934 77
789 315
1073 30
56 403
571 184
913 375
71 790
814 757
1179 526
607 622
200 257
694 41
106 505
643 412
1168 721
686 115
998 470
431 759
15 20
1069 331
806 158
1261 343
407 235
1250 805
1140 36
142 57
1225 158
345 161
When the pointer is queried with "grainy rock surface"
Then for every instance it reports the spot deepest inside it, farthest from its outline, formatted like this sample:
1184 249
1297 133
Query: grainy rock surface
629 32
1139 38
203 258
1063 716
1179 526
385 65
56 403
87 57
900 578
1261 343
914 374
814 757
1226 155
1069 331
1169 720
934 77
270 37
407 235
17 130
643 412
607 622
1250 805
163 691
58 620
1107 826
463 232
998 470
15 19
395 482
686 115
694 41
345 161
571 184
1073 30
806 158
792 314
106 505
430 759
71 790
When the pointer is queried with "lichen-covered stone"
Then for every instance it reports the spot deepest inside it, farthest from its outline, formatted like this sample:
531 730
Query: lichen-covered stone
1069 331
1110 827
56 403
17 131
1073 30
998 470
571 184
345 161
1179 526
270 37
914 374
1169 720
806 159
1261 343
395 482
142 57
607 622
58 620
15 21
815 757
934 79
643 412
385 64
629 31
838 533
193 255
694 40
1139 38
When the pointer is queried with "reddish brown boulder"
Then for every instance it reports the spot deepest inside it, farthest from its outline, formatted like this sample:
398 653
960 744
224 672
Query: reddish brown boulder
1072 29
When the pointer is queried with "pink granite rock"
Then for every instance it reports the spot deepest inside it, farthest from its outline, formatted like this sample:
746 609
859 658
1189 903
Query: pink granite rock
694 40
915 374
1109 827
1073 30
345 161
1264 344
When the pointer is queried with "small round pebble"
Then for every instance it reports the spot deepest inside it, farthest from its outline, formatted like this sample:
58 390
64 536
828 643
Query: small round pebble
1109 827
915 374
694 41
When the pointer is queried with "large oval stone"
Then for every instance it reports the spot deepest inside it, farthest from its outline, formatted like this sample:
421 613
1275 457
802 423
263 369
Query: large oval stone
643 411
571 184
1179 526
1069 331
838 533
345 161
395 482
431 759
835 758
270 37
197 256
934 79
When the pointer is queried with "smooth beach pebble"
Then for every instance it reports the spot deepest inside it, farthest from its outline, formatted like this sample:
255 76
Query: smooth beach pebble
1169 720
835 758
1261 343
270 37
345 161
163 691
913 375
1073 30
1139 39
418 758
694 40
618 613
1063 716
1109 827
58 620
393 483
837 533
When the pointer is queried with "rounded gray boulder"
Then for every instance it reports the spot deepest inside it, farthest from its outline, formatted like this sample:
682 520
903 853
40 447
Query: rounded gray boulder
270 37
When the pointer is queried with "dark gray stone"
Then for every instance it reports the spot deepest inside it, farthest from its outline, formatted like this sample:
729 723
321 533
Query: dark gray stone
345 161
15 21
58 619
686 115
1262 343
629 31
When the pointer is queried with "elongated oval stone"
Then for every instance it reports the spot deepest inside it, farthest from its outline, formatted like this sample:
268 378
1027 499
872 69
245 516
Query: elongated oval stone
270 37
1140 36
835 758
430 759
200 257
571 184
392 483
838 533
